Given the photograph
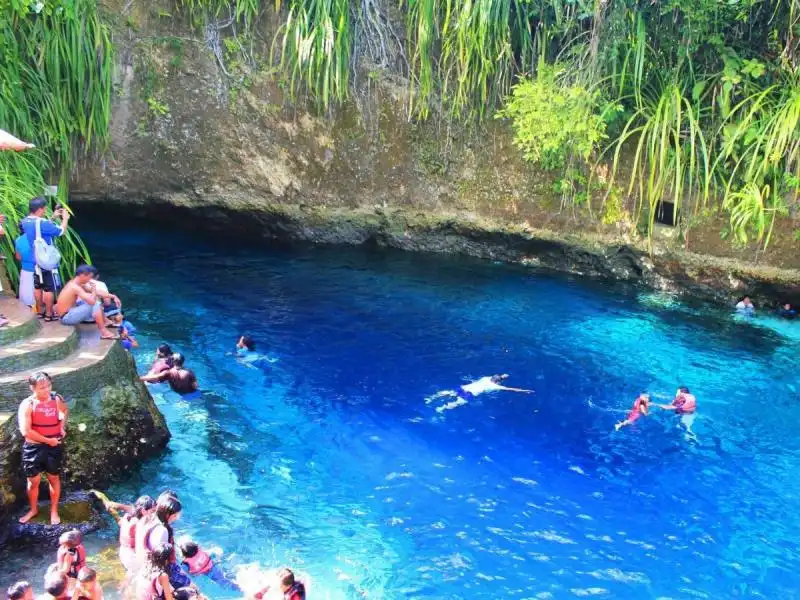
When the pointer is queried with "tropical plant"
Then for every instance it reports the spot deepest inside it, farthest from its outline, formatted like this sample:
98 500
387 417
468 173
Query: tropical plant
55 69
554 122
753 211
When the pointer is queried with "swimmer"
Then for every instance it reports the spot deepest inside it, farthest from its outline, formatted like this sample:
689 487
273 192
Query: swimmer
163 360
153 579
55 584
640 407
71 556
199 562
245 345
467 392
745 307
132 515
684 404
88 588
21 590
181 380
289 587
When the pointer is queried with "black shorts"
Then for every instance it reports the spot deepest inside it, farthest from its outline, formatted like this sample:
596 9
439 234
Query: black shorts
47 281
41 458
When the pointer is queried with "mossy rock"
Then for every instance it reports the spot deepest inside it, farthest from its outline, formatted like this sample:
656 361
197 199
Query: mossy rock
109 433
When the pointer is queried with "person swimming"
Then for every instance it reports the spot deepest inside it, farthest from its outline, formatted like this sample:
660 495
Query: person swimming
639 409
685 405
471 390
196 561
245 345
182 381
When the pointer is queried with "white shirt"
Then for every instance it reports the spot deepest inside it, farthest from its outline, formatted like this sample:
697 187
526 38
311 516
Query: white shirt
484 384
742 306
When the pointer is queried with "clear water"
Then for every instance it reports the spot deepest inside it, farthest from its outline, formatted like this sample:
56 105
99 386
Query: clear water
330 459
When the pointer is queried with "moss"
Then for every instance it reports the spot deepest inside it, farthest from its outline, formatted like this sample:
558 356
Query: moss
70 512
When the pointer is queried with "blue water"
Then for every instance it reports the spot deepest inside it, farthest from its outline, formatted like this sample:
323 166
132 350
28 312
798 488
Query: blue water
331 461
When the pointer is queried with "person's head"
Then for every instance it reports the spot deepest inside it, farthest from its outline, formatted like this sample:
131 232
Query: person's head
158 559
499 378
644 397
787 306
71 539
747 301
286 579
55 584
37 206
187 593
164 351
178 360
168 509
87 577
21 590
143 506
41 385
684 390
168 493
85 273
247 342
189 549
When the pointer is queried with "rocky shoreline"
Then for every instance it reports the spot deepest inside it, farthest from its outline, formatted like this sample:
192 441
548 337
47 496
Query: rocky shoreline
712 279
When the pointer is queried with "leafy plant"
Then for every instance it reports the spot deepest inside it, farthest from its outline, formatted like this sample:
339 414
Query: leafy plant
553 122
753 211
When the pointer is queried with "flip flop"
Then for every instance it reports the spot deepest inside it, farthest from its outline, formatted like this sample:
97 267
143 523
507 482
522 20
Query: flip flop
50 319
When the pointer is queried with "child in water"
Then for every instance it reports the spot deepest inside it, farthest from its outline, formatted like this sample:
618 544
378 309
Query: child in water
87 588
197 561
71 556
143 507
639 409
289 587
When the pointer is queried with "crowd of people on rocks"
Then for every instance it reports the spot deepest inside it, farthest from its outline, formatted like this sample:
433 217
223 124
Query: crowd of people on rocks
148 549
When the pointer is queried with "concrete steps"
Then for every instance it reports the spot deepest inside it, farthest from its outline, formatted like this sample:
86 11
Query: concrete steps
28 345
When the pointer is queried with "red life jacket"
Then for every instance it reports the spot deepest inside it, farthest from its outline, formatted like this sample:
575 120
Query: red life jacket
127 532
296 592
685 403
78 559
199 564
150 592
44 416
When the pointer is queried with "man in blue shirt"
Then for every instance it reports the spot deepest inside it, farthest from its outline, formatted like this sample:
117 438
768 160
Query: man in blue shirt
27 260
46 283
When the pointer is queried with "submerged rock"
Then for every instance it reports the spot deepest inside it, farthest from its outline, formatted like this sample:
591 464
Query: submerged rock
78 510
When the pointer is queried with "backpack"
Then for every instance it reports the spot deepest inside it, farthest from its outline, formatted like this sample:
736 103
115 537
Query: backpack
47 255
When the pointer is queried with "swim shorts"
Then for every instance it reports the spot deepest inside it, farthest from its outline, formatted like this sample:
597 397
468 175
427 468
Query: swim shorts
41 458
47 281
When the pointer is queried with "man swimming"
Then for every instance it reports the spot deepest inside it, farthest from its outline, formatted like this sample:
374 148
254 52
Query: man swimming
467 392
639 409
181 380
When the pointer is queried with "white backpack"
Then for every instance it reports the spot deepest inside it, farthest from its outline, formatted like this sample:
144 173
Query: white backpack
47 255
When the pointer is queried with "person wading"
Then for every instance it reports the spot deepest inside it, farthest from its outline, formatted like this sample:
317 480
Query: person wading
42 422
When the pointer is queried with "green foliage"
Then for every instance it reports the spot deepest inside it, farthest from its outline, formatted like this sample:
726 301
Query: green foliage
55 69
316 47
553 122
753 211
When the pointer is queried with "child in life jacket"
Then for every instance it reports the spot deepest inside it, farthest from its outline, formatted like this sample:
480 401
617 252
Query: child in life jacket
87 588
71 555
21 590
153 579
639 409
290 588
197 561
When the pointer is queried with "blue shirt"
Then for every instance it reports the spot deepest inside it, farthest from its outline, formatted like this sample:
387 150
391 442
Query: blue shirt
25 251
49 230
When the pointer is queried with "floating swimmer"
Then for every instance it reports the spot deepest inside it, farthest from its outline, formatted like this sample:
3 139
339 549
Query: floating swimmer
639 409
199 562
467 392
288 586
685 405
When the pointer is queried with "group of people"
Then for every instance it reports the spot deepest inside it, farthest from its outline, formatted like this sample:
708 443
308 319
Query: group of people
147 546
746 308
83 299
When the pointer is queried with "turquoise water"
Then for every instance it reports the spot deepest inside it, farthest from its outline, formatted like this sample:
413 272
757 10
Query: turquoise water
332 461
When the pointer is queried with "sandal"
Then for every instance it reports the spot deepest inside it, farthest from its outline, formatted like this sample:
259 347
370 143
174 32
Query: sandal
50 318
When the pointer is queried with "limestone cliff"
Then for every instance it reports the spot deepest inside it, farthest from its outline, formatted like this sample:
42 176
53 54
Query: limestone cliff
201 135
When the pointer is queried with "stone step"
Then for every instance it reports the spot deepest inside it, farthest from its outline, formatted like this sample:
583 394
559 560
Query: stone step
23 321
73 371
52 341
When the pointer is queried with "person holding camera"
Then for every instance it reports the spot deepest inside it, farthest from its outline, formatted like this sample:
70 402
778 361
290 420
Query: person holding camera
46 280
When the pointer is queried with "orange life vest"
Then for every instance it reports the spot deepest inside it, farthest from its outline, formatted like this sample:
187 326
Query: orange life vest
45 419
